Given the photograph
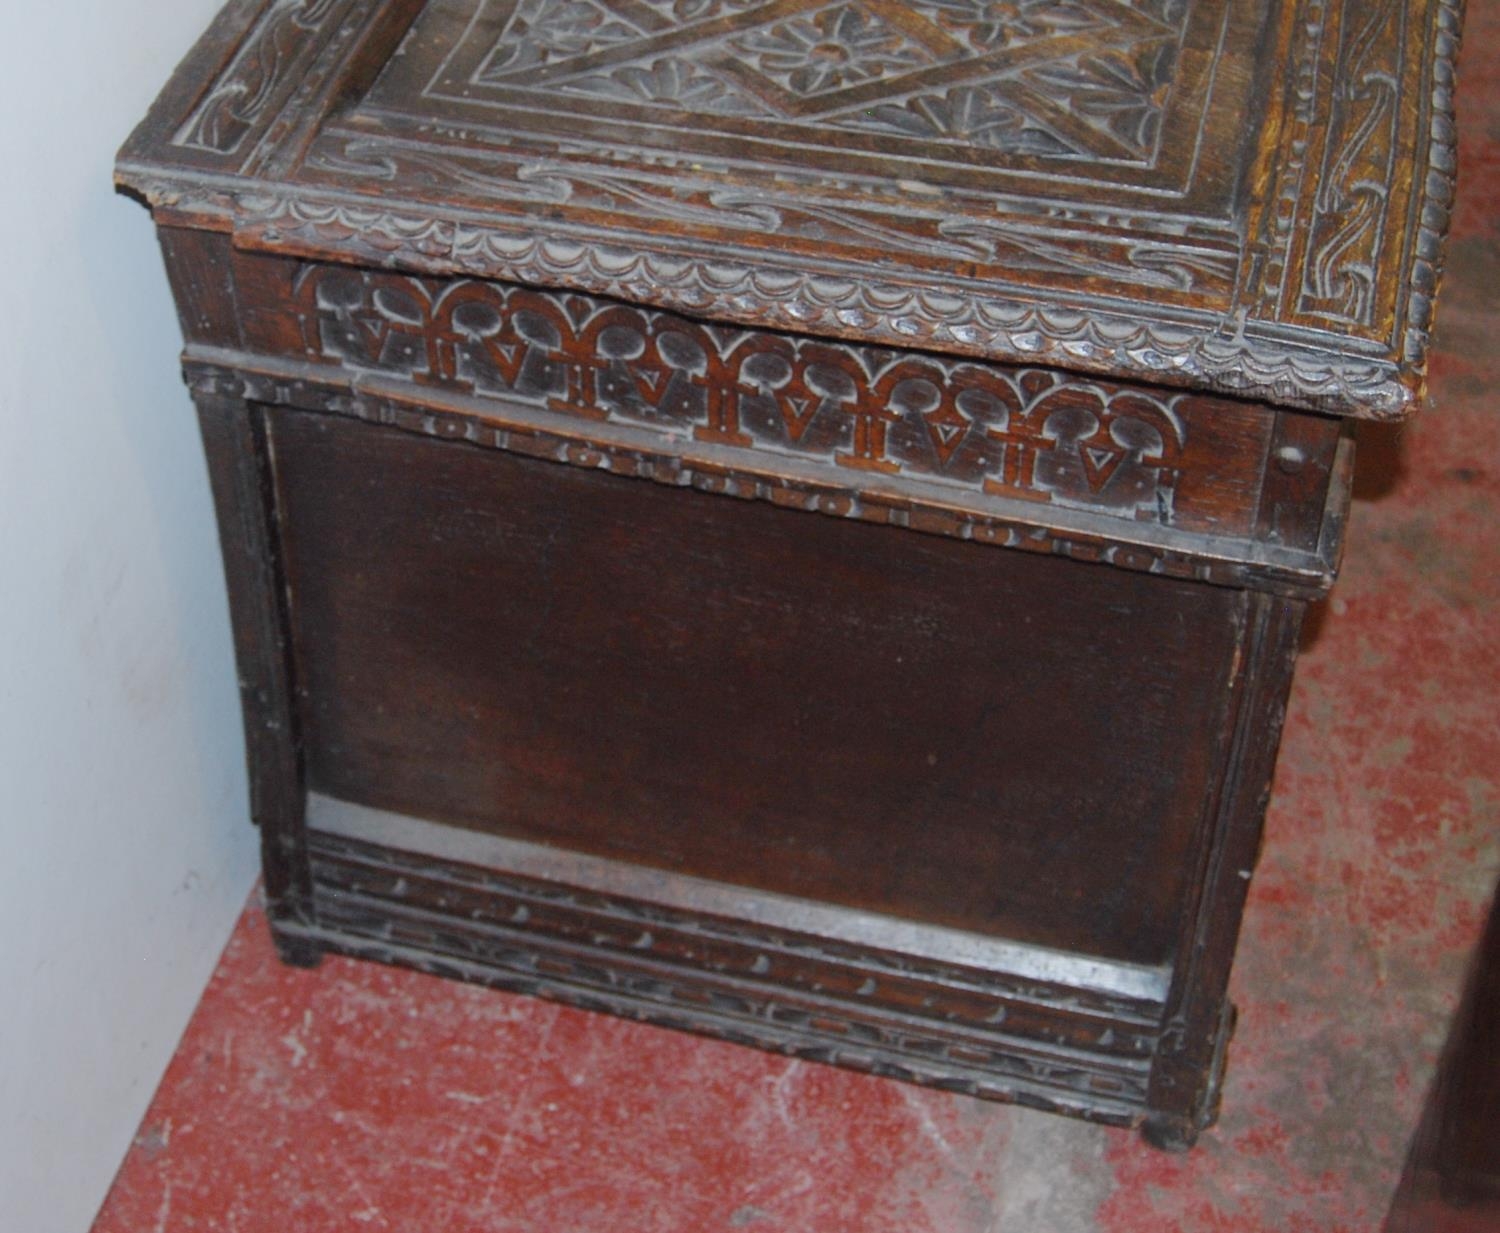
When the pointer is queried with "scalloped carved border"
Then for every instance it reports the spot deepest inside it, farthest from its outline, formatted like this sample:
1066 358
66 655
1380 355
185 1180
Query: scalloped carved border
1245 361
1065 246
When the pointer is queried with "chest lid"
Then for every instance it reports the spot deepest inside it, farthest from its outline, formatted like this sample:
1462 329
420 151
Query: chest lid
1242 196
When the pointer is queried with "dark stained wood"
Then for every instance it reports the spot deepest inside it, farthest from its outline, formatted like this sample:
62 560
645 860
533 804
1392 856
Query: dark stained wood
1468 1157
1144 454
234 443
203 286
1198 1020
1452 1174
804 705
987 364
1236 195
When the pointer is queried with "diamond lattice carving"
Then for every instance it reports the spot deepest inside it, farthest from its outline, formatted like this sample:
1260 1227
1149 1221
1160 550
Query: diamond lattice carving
1053 78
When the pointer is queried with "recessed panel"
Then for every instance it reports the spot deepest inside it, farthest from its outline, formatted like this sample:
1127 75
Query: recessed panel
1013 746
1121 92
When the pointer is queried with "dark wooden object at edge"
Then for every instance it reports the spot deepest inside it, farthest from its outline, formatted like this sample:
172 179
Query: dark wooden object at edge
919 714
1452 1175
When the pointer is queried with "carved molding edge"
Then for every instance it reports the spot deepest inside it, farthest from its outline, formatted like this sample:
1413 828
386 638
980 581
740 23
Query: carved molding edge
1435 202
515 428
521 974
386 872
1241 358
1282 366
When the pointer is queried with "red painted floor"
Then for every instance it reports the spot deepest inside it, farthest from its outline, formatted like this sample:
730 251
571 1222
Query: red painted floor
358 1097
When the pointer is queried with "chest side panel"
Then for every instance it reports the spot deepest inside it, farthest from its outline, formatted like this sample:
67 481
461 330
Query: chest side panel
807 706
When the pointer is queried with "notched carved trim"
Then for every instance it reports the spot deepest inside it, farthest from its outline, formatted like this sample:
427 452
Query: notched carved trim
789 1032
368 905
1435 200
753 949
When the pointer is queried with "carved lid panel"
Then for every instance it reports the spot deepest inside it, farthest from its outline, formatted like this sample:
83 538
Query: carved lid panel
1244 196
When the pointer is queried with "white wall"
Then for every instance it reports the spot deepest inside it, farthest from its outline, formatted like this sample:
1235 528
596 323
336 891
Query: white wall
126 851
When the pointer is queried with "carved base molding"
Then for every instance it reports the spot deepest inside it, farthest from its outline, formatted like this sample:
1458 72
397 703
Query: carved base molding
1046 1044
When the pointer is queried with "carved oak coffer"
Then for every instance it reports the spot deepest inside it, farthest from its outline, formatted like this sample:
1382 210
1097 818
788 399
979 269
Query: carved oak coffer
790 519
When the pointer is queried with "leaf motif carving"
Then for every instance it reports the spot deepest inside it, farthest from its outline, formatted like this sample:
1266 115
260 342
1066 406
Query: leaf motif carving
673 82
240 97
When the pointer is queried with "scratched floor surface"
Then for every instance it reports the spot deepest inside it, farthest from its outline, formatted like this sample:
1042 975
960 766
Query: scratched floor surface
358 1097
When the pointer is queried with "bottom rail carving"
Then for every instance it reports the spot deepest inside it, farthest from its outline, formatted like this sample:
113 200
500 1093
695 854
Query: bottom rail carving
419 912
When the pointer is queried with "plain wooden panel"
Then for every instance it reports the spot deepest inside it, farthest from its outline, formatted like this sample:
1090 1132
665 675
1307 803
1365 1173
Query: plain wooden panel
1012 745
